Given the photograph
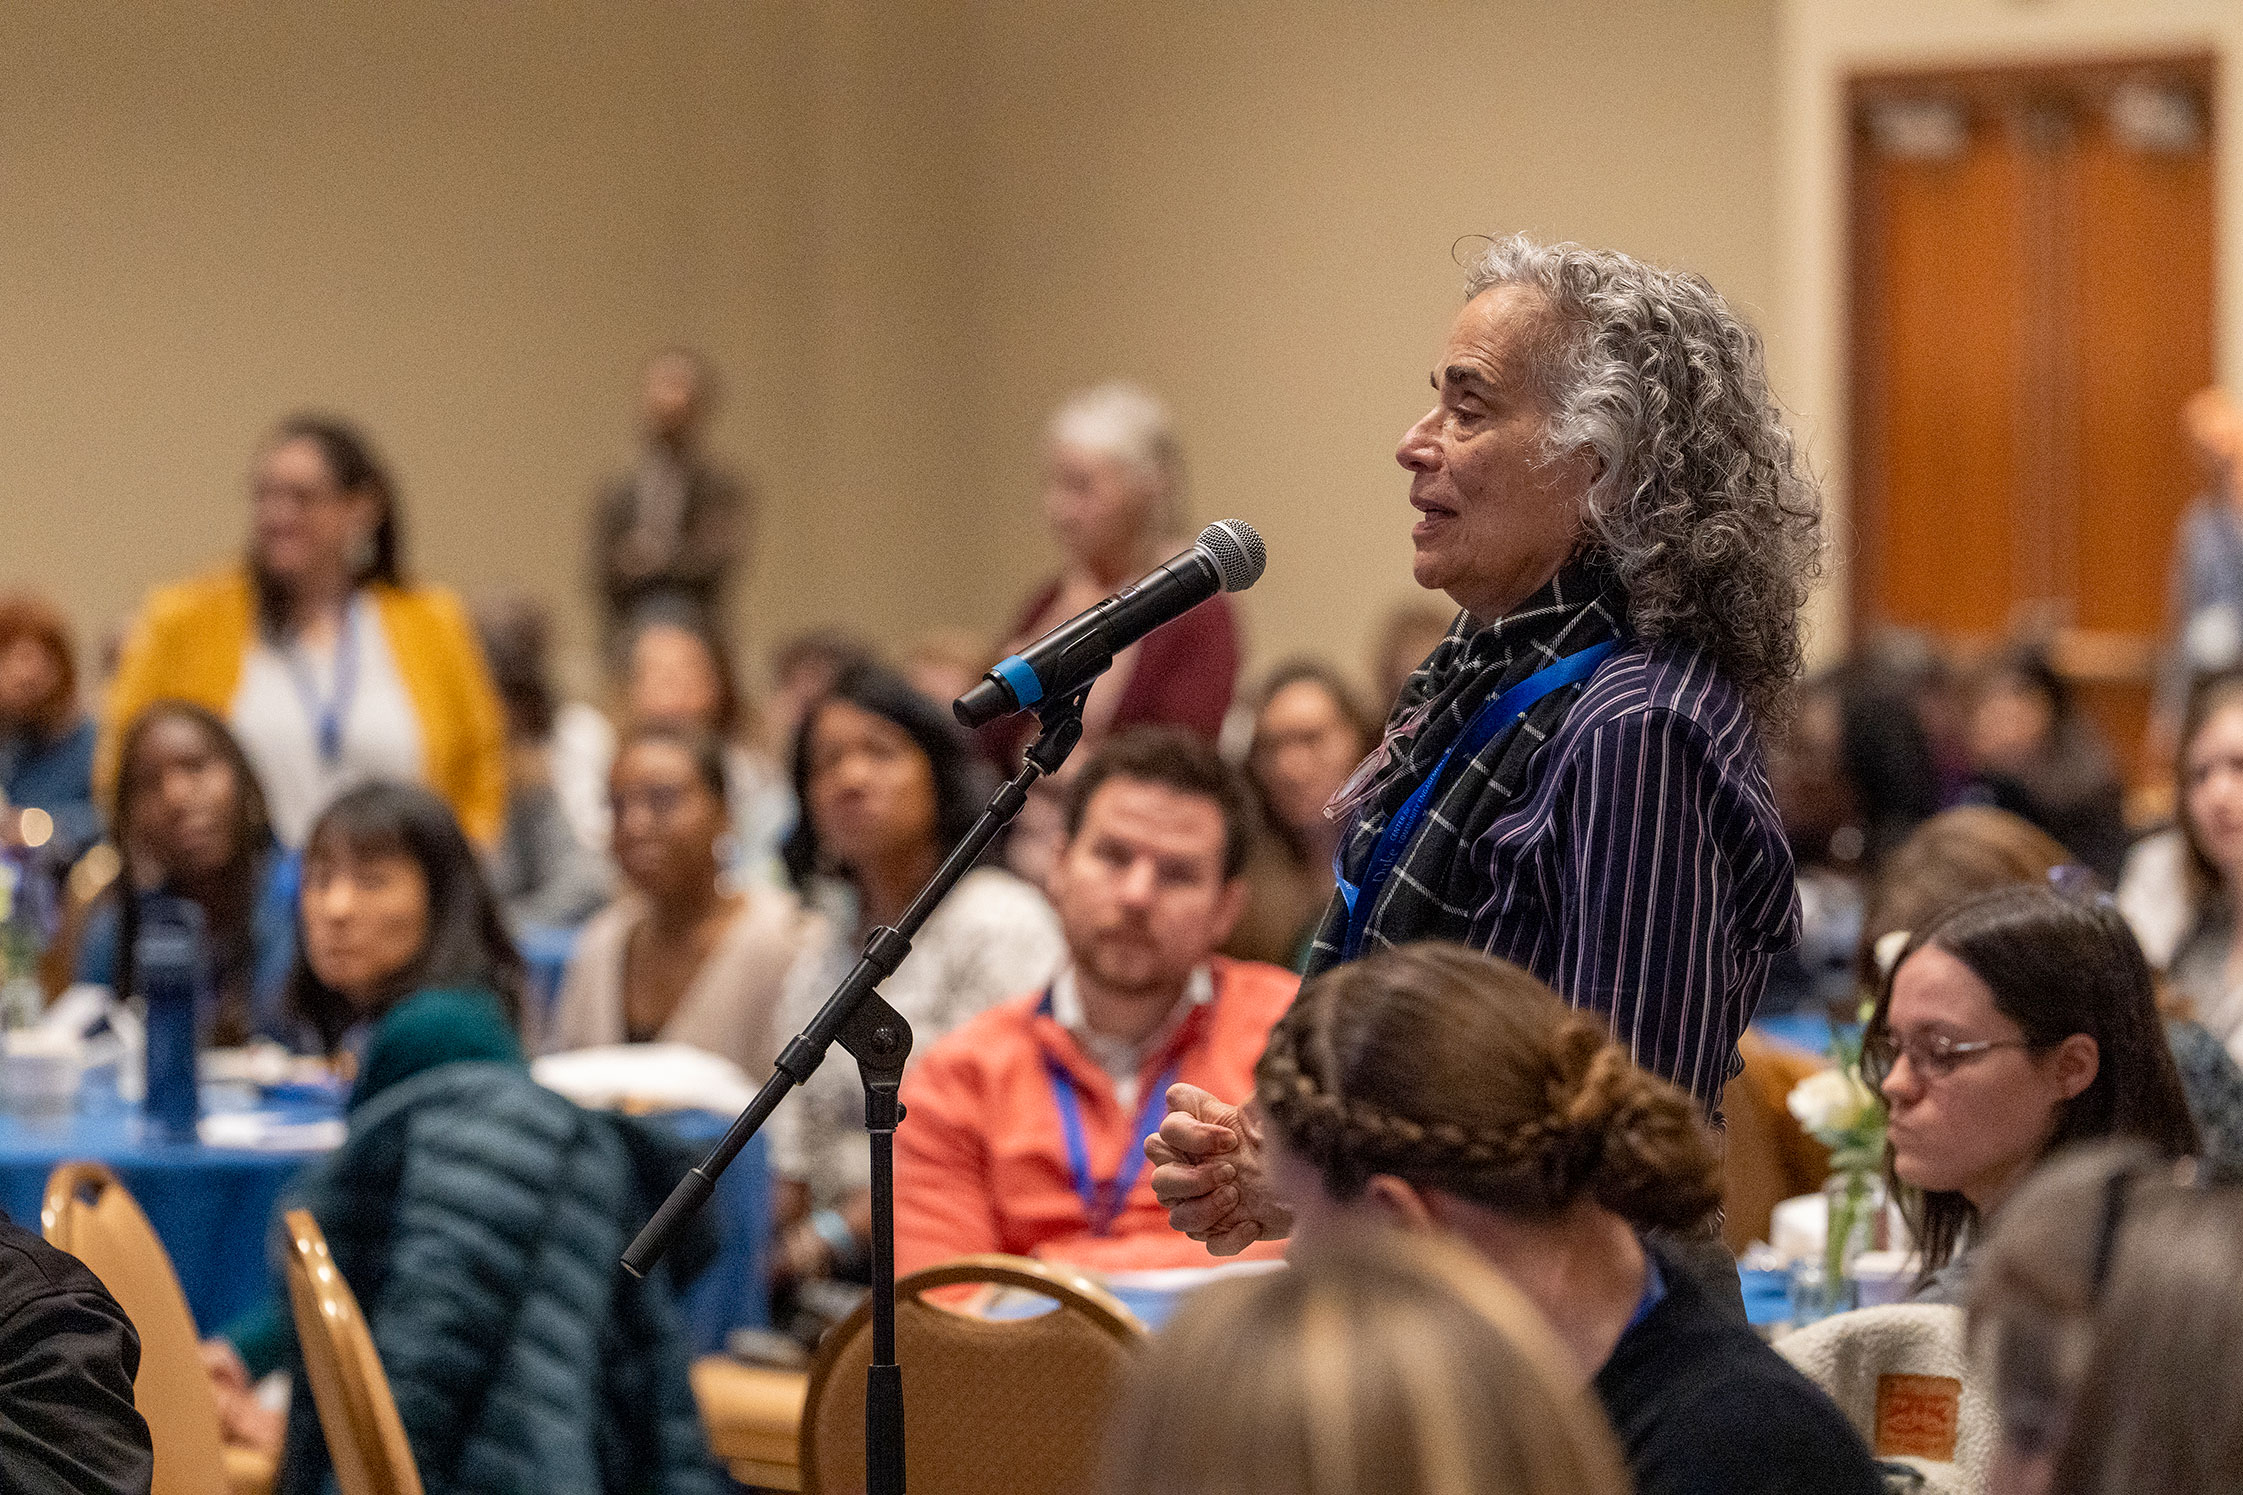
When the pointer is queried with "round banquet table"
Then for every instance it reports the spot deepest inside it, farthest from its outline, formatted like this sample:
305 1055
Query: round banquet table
213 1205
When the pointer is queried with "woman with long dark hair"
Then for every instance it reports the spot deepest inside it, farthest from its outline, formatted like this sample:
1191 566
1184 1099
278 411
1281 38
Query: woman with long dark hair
191 824
476 1214
2012 1025
888 784
329 665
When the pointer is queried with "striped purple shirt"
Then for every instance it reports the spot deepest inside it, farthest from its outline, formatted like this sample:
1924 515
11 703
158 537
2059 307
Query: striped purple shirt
1637 866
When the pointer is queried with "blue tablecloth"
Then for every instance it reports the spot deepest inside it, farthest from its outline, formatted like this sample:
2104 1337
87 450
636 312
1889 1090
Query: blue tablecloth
213 1208
1801 1030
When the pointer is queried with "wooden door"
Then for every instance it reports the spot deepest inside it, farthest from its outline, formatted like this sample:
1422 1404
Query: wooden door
2033 258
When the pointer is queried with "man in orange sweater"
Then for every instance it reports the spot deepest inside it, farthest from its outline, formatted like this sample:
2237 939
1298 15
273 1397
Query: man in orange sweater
1024 1130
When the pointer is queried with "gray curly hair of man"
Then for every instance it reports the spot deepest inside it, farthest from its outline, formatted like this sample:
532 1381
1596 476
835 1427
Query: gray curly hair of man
1703 504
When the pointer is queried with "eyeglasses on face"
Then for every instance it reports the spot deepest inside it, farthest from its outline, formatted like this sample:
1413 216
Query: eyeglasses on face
1934 1056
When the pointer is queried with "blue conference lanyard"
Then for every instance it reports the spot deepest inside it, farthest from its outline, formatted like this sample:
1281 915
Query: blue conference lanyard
327 716
1104 1198
1512 706
1654 1292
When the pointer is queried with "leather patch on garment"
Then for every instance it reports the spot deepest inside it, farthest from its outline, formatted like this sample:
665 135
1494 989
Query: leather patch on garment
1917 1417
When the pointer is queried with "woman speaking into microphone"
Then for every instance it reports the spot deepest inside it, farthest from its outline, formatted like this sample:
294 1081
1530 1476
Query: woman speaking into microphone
1572 781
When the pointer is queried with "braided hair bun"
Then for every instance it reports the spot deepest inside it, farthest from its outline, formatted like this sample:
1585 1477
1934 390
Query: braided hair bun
1455 1071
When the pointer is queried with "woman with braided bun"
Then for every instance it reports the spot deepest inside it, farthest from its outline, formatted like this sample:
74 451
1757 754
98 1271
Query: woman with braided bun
1454 1094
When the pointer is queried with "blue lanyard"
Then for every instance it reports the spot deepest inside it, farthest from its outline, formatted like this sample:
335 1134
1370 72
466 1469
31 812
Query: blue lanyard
1654 1291
327 716
1491 718
1103 1198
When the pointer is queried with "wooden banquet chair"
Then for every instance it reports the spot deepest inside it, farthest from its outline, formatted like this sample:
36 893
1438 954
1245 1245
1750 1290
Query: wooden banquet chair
90 1214
991 1406
365 1436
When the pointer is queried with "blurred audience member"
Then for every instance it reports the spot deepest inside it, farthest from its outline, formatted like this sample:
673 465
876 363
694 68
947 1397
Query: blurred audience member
1375 1363
803 669
679 958
1822 823
1887 753
2205 610
670 533
2198 891
544 872
476 1215
888 785
1407 636
331 669
1021 1137
2035 754
1973 849
68 1356
1309 734
191 824
1443 1091
1113 494
678 675
46 742
2010 1026
2110 1311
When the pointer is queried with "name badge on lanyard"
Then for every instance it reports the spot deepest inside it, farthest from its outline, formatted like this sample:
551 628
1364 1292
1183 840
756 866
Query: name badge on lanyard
1505 710
327 716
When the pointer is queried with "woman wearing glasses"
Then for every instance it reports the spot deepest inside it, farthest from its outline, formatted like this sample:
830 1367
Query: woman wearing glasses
2015 1024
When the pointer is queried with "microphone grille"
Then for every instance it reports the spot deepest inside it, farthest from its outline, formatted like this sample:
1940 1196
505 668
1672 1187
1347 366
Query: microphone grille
1236 552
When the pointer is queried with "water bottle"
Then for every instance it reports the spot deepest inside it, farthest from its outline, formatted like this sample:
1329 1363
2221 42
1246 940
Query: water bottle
174 982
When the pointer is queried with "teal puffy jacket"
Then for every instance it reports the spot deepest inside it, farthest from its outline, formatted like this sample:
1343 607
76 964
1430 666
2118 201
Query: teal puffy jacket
479 1217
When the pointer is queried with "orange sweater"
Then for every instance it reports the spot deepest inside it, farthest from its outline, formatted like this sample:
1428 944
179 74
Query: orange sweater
190 639
981 1157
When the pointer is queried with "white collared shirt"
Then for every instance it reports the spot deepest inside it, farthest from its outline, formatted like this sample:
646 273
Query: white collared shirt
1120 1059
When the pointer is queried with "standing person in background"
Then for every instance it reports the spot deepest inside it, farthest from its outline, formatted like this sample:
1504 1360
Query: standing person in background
2205 610
546 872
191 824
330 667
670 533
1309 733
681 957
1113 495
46 742
888 784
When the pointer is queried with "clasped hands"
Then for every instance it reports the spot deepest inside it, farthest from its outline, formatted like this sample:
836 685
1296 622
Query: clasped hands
1210 1172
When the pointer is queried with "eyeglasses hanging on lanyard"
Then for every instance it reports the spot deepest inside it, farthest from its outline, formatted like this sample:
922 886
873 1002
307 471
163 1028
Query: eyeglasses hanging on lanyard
329 714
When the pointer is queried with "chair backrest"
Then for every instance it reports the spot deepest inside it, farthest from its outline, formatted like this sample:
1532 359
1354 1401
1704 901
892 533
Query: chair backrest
365 1437
1767 1155
89 1214
990 1406
1903 1376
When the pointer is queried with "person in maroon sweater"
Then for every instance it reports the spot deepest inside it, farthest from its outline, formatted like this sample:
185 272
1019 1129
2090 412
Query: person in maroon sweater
1113 491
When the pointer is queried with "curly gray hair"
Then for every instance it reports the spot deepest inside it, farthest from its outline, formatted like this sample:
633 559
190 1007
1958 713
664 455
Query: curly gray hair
1703 505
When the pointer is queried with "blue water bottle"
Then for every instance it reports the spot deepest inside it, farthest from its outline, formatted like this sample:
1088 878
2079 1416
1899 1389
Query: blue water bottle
174 977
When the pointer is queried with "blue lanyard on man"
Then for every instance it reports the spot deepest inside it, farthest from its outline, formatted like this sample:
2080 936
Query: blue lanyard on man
1104 1198
327 716
1505 710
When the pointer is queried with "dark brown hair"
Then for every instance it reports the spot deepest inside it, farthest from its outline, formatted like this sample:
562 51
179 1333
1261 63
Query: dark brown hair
466 943
1455 1071
232 912
351 461
2057 965
1344 700
23 616
1174 759
2207 699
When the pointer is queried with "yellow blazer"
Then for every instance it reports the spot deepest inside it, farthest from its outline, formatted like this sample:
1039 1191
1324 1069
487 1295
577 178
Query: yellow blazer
190 639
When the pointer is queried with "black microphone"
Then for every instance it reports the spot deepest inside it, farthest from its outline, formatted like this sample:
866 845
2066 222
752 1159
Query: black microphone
1227 558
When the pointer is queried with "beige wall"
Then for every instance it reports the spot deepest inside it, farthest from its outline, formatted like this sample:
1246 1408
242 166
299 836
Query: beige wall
902 229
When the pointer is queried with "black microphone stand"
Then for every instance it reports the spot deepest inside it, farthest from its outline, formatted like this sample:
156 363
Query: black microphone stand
880 1040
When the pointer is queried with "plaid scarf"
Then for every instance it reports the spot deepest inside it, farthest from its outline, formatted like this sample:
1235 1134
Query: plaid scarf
1434 890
